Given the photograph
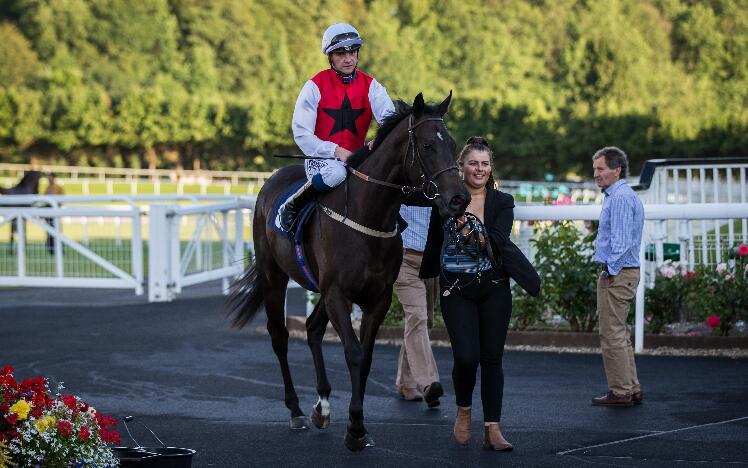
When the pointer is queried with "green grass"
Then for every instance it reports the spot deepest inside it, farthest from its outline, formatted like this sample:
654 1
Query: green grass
148 188
40 262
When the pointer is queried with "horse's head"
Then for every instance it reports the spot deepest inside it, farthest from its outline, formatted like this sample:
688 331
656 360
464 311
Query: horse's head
430 161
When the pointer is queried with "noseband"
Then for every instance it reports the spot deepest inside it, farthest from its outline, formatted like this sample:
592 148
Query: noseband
428 181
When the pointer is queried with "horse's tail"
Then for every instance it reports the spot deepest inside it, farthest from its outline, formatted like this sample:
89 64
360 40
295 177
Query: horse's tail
245 298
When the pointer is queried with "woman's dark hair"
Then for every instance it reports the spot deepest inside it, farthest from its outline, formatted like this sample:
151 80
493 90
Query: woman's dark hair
477 143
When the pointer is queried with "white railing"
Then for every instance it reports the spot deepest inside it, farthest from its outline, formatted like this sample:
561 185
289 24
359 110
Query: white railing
696 181
653 214
180 264
109 181
197 241
74 264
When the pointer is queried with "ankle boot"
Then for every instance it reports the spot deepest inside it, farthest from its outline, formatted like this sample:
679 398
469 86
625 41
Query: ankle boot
493 440
462 426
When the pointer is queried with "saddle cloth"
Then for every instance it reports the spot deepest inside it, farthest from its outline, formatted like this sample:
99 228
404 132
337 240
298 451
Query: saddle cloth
297 234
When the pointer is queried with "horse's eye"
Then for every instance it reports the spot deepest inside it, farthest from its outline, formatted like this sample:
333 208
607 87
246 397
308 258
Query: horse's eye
428 146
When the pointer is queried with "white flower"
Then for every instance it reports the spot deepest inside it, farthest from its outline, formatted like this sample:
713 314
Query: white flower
721 267
728 277
667 271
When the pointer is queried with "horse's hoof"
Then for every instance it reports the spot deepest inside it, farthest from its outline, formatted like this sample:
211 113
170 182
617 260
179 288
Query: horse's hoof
357 444
321 422
298 423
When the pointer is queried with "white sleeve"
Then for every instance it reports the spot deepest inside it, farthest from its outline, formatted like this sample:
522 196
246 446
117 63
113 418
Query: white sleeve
381 104
305 119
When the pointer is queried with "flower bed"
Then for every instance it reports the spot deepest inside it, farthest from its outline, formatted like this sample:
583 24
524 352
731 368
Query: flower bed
711 300
39 428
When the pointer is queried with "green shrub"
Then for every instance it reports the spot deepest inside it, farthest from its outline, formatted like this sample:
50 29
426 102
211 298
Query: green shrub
564 261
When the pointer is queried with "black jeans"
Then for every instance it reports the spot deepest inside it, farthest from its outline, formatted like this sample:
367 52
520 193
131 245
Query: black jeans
477 318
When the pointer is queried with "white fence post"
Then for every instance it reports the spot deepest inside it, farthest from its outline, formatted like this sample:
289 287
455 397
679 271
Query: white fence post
159 263
639 318
136 246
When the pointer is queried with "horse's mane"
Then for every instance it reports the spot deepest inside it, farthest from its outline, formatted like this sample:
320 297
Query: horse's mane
402 110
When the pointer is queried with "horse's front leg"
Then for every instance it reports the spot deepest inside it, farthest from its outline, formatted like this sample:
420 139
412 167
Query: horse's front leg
339 313
373 316
316 325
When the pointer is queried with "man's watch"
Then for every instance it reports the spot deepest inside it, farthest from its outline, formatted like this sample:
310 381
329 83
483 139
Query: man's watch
605 274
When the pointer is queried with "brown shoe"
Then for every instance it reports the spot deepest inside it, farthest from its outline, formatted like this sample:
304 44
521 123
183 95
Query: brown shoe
432 393
493 440
409 394
637 398
461 431
611 399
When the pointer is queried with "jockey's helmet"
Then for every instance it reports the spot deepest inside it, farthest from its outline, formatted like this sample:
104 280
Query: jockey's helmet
341 36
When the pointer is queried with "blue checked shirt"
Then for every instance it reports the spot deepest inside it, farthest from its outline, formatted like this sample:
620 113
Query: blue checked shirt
417 217
619 237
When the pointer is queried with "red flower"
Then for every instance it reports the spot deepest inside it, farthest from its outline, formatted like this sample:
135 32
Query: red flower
110 437
743 250
12 419
65 427
713 321
70 401
84 433
37 412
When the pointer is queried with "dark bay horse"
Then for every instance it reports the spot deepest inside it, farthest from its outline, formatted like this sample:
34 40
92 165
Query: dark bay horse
28 185
413 152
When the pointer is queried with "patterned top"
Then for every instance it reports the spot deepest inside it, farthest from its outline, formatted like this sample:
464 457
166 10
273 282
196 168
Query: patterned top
619 237
417 217
466 258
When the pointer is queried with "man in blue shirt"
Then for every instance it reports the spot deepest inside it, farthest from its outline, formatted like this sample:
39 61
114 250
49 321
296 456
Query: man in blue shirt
617 252
416 365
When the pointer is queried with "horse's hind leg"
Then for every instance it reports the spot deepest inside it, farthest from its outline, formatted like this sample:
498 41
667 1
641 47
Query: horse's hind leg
316 325
275 309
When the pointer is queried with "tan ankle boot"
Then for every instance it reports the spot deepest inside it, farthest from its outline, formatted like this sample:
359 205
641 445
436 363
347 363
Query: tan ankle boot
462 426
493 440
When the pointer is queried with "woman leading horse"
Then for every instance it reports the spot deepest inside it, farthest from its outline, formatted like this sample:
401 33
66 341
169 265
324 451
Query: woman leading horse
353 249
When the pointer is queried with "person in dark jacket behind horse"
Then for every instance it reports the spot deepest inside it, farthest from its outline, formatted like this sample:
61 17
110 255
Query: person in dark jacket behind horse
474 260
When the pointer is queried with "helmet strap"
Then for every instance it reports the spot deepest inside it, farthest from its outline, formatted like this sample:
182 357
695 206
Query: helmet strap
346 79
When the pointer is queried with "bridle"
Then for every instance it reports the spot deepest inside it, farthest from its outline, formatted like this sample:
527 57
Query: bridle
428 180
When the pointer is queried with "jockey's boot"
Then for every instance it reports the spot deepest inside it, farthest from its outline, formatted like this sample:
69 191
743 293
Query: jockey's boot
290 209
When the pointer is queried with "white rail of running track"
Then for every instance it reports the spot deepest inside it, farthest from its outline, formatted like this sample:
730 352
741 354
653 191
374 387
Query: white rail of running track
169 260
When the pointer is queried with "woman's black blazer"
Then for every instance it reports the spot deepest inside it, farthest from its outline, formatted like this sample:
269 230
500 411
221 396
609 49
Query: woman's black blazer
499 216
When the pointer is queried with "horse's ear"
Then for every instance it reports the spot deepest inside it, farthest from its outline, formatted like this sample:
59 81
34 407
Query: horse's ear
418 106
444 106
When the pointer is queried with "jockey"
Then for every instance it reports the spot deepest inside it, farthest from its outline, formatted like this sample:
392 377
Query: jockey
332 115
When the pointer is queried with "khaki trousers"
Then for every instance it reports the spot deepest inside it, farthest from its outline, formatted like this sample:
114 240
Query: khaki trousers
416 365
614 297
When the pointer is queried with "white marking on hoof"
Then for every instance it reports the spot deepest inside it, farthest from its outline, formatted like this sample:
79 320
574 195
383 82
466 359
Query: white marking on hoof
324 406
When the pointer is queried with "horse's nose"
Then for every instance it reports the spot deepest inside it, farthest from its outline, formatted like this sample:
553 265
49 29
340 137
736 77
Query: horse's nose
458 203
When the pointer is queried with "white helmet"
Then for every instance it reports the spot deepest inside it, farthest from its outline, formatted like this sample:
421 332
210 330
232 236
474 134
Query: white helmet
341 36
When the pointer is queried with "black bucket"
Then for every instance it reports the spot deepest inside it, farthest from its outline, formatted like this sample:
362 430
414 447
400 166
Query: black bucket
160 457
172 457
136 457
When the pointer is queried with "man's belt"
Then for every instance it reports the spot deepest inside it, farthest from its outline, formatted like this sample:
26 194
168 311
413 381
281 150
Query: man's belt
407 251
604 267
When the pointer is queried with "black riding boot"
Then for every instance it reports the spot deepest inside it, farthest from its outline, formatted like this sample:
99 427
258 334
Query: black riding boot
290 209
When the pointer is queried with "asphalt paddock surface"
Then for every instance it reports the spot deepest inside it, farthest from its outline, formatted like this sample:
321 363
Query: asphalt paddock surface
181 370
